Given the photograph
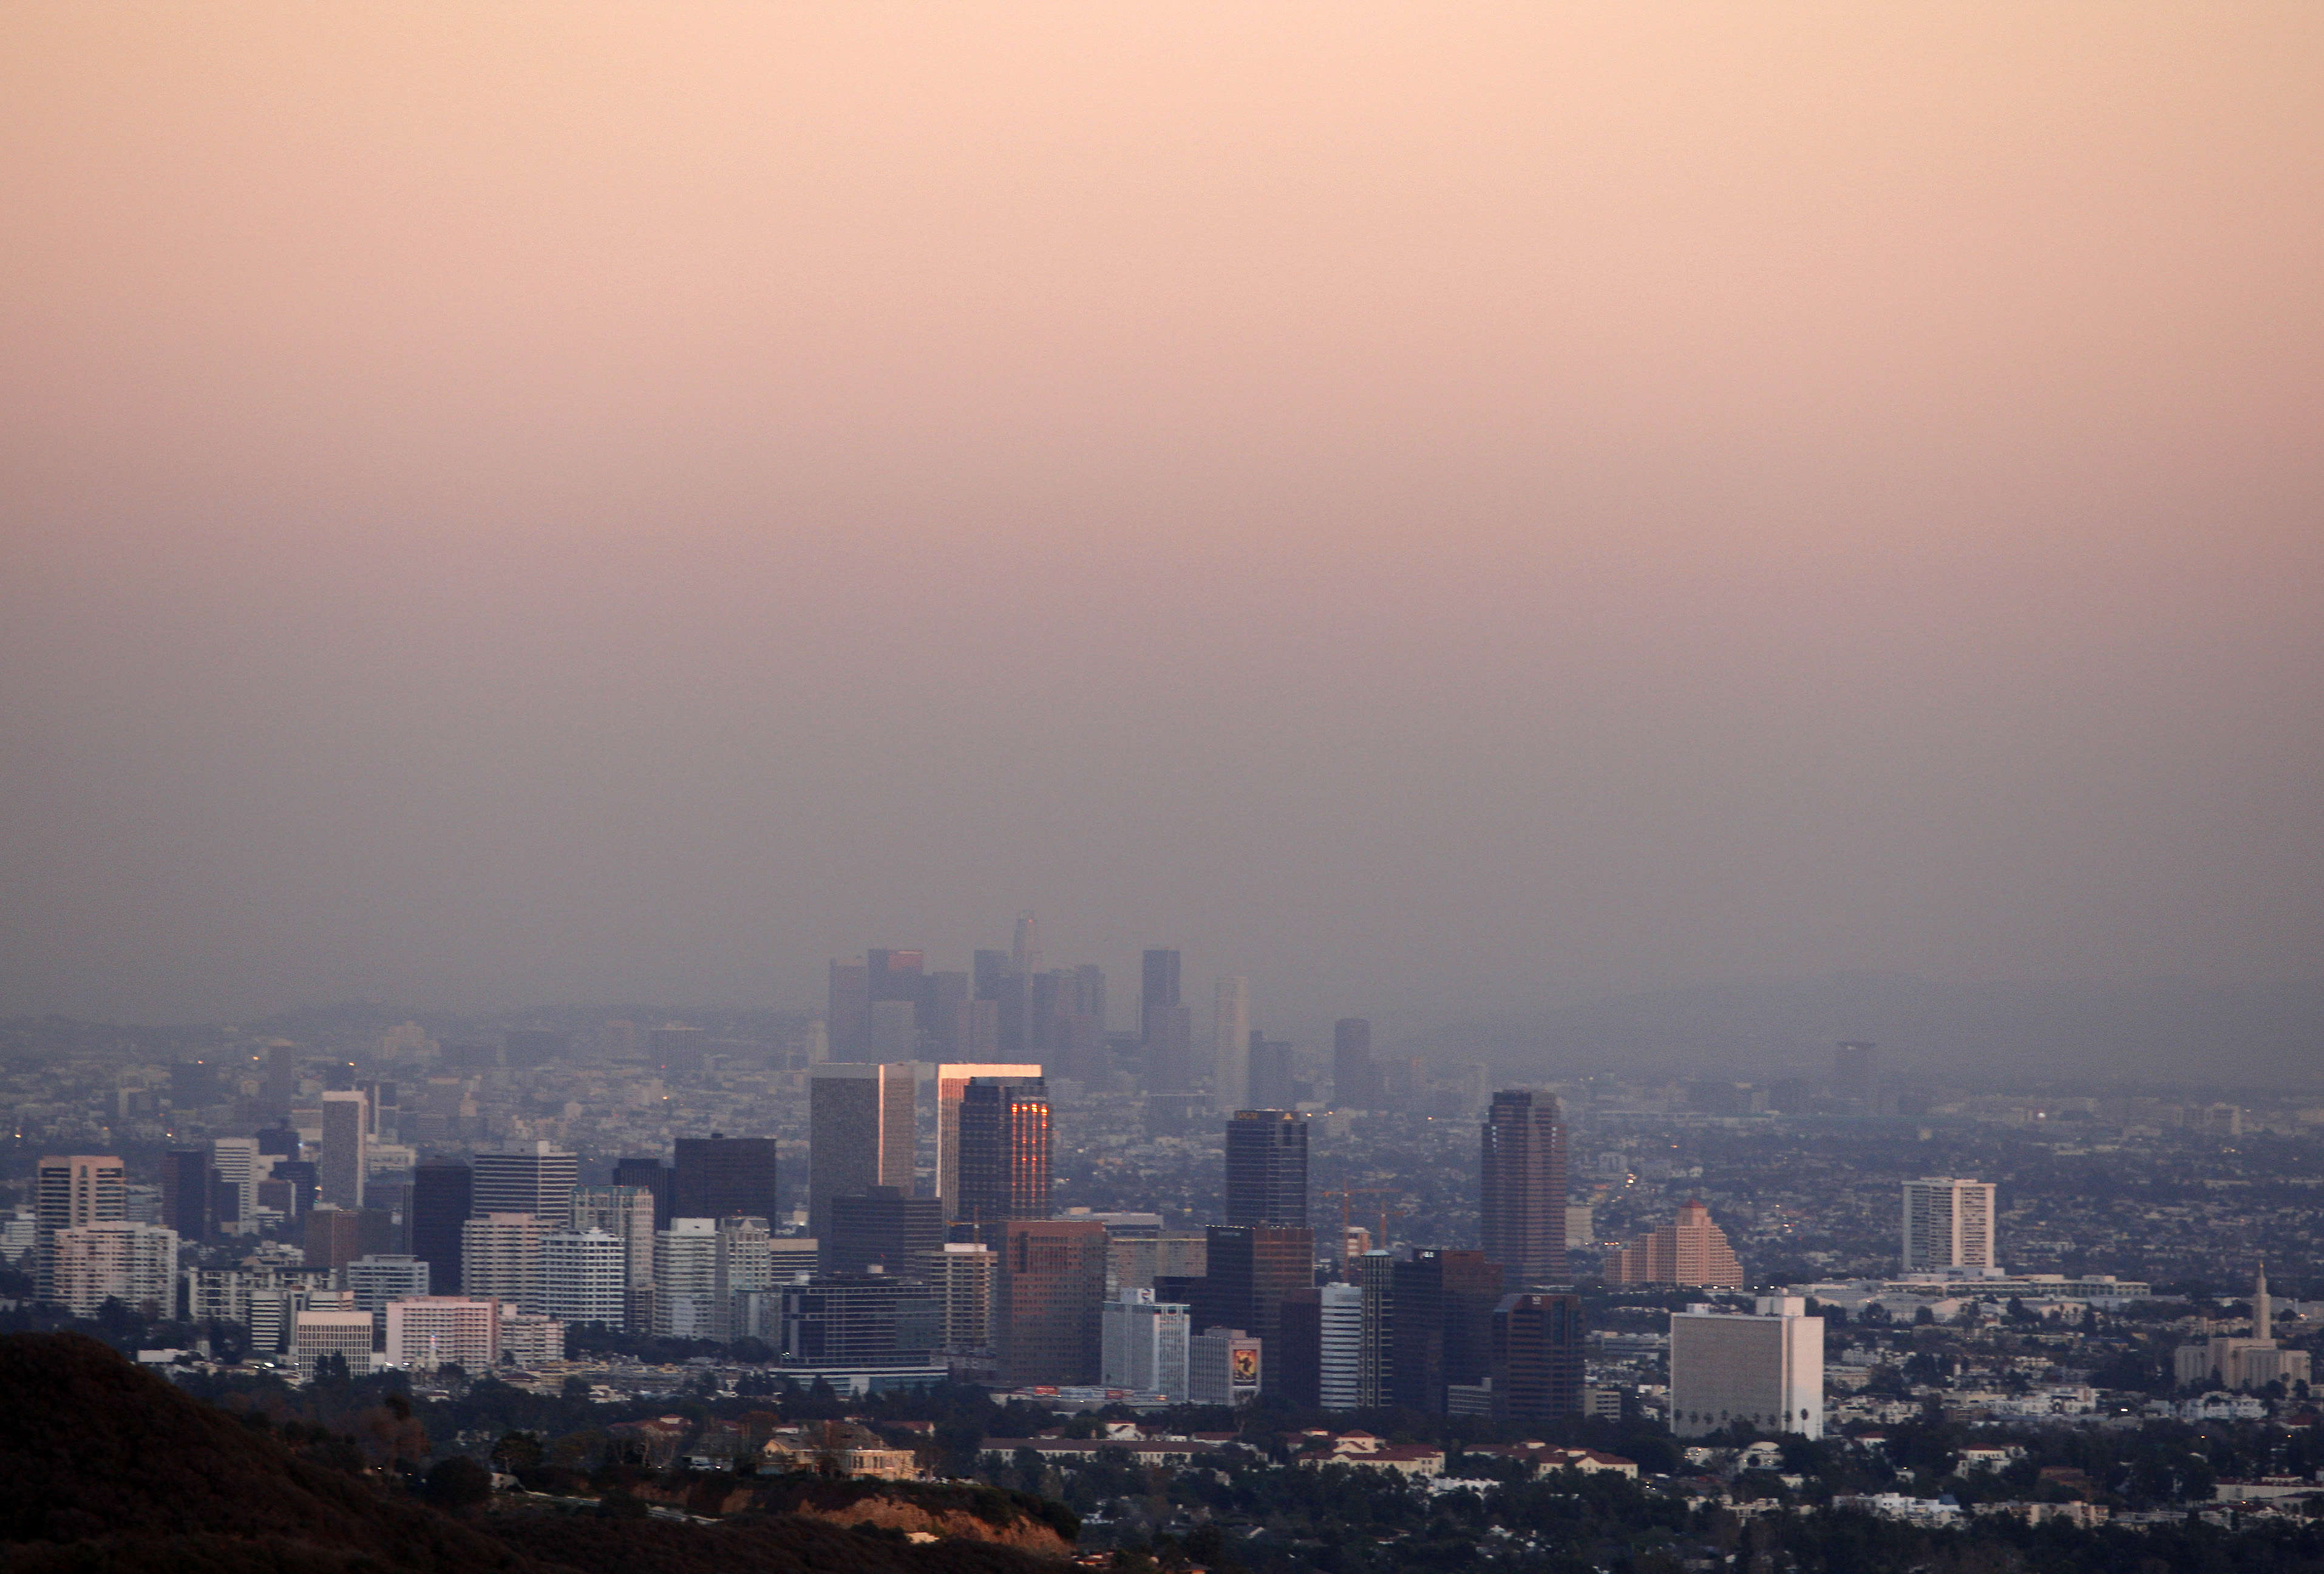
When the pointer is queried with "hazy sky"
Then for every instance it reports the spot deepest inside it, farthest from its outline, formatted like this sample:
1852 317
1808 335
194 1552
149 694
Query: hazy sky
1436 507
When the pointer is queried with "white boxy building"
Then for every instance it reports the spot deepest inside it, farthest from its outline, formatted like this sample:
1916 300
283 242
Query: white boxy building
1766 1368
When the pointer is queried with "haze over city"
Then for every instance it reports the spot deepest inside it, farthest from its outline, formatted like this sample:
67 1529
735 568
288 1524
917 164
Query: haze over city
1448 514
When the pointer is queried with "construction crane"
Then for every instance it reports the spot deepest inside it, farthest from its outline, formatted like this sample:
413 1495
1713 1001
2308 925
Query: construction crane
1347 1196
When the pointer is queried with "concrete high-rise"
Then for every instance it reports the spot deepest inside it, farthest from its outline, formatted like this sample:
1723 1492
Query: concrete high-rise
1690 1250
627 1213
73 1192
1522 1188
537 1178
961 1275
952 1081
1272 1083
1767 1369
1355 1078
1052 1284
1004 1155
1948 1224
500 1256
235 1161
1538 1348
1341 1340
717 1175
346 1148
135 1265
1266 1168
686 1280
1145 1344
861 1132
1230 1044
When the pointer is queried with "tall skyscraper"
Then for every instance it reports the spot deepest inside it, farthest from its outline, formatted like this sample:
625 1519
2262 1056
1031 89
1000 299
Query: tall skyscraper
718 1175
1856 1074
627 1213
500 1256
649 1174
883 1229
861 1131
1157 982
1025 946
961 1275
943 998
1342 1340
953 1079
442 1199
1272 1084
1522 1186
1948 1224
1767 1369
234 1160
1250 1269
1355 1078
1444 1303
1165 1027
537 1178
985 974
346 1147
1374 1275
189 1194
1538 1345
1690 1250
1052 1284
1266 1168
1004 1155
74 1190
686 1280
1230 1044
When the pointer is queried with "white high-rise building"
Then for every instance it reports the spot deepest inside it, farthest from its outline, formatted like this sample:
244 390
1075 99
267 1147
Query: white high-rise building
236 1160
1231 1042
537 1178
500 1256
1949 1225
135 1265
429 1331
745 1262
380 1278
1767 1368
961 1274
1143 1344
316 1334
627 1213
585 1276
346 1149
686 1280
1343 1345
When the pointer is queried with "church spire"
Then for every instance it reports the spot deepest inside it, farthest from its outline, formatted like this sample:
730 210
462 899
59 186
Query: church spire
2263 1314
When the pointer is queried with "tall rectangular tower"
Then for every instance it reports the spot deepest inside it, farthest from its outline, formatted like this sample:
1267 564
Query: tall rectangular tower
1948 1224
1266 1168
718 1176
1522 1188
1355 1078
861 1131
1052 1285
1230 1044
346 1143
1004 1155
73 1192
1538 1347
951 1083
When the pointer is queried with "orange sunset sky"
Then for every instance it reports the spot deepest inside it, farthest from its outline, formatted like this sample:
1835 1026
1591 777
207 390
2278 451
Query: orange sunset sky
1441 508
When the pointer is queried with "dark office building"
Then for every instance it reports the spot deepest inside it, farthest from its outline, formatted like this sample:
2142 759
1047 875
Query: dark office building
1170 1050
942 996
1355 1078
890 975
1004 1153
281 1079
441 1195
859 1319
654 1175
189 1194
883 1228
1266 1168
301 1173
1251 1268
1537 1353
193 1083
525 1049
280 1142
1443 1327
1522 1188
1158 981
989 970
1298 1358
1046 1313
718 1176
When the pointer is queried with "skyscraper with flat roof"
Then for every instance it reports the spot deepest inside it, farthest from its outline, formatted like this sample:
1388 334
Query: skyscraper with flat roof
1444 1303
1266 1168
537 1178
1522 1186
718 1175
1355 1078
861 1131
1948 1224
442 1199
952 1080
1004 1155
347 1143
1538 1347
881 1228
1052 1284
70 1191
1230 1044
849 1013
1250 1268
649 1174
